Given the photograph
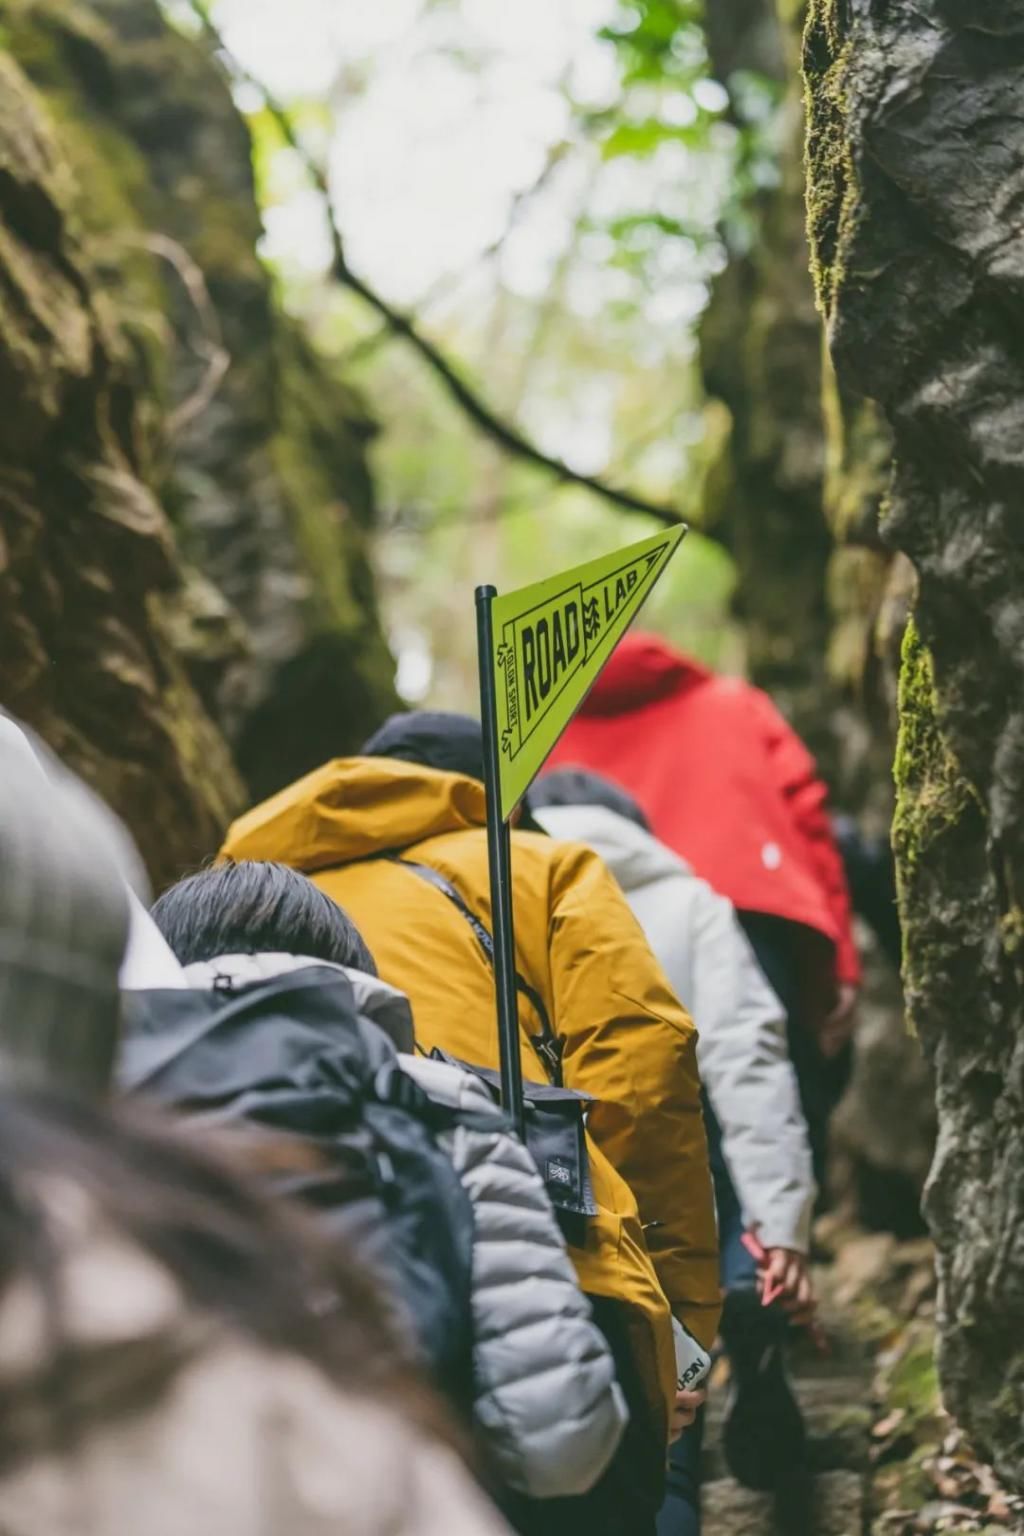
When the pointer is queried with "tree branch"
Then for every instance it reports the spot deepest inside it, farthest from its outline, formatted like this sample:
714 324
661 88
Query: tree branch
505 434
447 281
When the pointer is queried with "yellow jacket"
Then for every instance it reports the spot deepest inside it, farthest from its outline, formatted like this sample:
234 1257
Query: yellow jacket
626 1039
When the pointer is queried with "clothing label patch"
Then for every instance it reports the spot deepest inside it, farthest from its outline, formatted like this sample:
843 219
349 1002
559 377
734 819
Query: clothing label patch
558 1171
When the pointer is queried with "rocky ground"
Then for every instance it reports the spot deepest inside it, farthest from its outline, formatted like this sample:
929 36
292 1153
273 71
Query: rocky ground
884 1458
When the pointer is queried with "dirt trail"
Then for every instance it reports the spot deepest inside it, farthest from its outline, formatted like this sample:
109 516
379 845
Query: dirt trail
884 1458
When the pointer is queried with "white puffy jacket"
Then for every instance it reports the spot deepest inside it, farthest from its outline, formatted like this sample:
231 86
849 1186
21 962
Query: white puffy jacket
741 1048
545 1393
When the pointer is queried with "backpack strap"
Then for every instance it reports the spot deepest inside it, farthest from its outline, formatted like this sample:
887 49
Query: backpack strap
546 1043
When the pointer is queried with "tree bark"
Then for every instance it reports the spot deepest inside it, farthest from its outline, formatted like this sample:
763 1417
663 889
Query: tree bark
916 182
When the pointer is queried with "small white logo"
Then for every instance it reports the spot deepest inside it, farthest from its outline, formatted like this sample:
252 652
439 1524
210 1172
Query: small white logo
697 1370
771 855
558 1173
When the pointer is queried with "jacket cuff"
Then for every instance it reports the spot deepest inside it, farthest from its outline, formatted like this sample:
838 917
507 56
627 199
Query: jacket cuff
789 1229
848 966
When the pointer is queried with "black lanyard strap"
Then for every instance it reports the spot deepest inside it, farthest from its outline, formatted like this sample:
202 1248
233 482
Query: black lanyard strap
546 1043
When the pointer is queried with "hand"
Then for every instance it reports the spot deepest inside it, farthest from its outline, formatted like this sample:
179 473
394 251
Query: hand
685 1412
838 1026
787 1272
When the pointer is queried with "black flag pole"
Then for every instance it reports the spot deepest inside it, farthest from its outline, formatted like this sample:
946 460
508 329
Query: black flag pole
499 858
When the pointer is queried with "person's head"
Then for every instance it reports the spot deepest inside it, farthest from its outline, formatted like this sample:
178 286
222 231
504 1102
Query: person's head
578 786
434 738
442 740
63 927
255 907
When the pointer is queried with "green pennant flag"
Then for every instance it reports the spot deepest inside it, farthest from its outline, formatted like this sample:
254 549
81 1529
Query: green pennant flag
551 640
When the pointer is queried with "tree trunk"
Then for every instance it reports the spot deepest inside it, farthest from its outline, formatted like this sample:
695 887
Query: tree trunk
916 180
185 503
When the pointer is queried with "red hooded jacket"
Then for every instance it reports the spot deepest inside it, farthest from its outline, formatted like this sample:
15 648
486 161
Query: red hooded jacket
724 781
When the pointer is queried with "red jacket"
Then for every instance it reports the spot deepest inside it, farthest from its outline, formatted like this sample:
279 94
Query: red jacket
724 781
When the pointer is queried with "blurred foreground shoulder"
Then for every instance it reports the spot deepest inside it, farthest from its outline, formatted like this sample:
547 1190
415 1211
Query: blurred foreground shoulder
195 1428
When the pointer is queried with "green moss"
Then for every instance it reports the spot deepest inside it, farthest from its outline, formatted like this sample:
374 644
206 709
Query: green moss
914 1381
1011 927
935 804
931 792
858 459
108 178
109 173
873 1321
320 464
791 13
155 205
914 1478
318 523
112 133
832 193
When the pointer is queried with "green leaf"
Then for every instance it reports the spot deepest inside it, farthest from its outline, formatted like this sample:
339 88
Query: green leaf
641 138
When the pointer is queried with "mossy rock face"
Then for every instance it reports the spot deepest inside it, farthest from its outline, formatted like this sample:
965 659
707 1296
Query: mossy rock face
792 480
915 154
139 328
87 557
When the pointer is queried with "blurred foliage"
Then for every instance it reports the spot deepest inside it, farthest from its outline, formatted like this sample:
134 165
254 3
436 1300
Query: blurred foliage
668 97
594 357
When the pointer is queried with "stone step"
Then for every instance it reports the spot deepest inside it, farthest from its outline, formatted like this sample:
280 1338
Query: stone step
838 1418
729 1510
822 1396
835 1508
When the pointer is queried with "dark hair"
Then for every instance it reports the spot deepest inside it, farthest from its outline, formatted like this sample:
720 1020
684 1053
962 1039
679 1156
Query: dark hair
578 786
435 738
236 1254
253 907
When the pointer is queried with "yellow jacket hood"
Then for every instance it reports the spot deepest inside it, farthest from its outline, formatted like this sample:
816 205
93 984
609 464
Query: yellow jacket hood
353 808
